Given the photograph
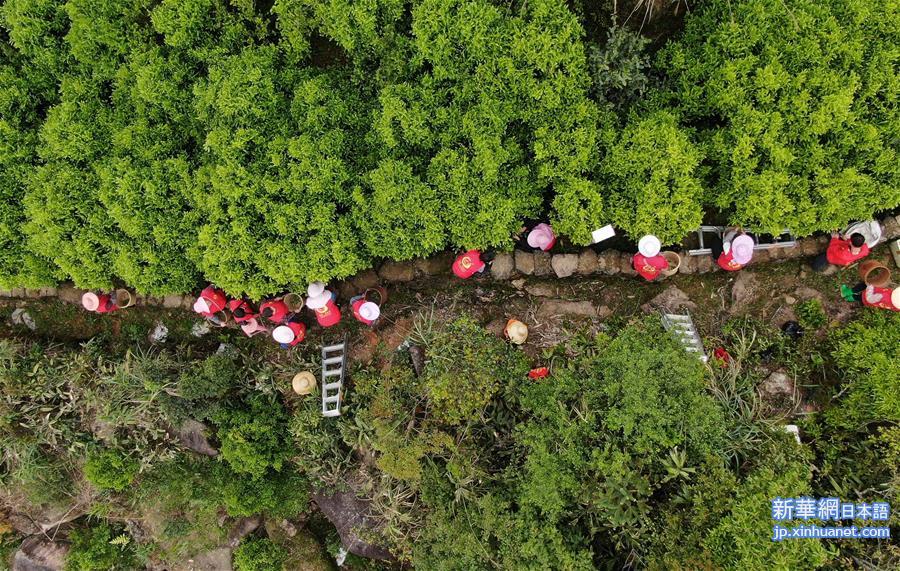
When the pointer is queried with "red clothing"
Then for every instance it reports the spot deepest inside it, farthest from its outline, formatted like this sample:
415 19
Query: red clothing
279 310
299 330
355 307
468 264
839 253
236 304
649 268
106 304
727 263
215 298
884 302
329 314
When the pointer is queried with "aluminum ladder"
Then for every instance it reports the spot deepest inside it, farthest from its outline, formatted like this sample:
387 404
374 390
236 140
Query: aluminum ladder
783 240
683 327
334 363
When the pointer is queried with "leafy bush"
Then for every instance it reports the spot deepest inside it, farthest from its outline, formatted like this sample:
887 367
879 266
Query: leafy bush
799 106
98 548
811 314
253 438
110 470
259 554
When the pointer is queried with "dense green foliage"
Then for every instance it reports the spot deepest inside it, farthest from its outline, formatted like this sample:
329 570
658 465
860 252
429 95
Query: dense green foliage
110 470
97 549
265 145
259 555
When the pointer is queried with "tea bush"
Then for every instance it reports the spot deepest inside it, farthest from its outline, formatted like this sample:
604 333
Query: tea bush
110 470
259 554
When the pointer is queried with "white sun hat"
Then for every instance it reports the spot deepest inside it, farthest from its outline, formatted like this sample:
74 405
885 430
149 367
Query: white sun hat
541 236
649 246
314 289
318 301
90 301
516 331
742 249
369 311
895 297
201 305
283 334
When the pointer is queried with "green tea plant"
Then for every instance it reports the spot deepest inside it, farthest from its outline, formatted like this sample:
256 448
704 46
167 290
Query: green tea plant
259 554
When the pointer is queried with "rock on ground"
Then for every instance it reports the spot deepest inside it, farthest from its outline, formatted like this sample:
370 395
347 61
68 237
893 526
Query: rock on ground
559 308
524 262
159 334
670 299
587 262
215 560
777 385
40 554
608 262
397 271
192 435
542 290
564 265
503 267
542 264
22 317
743 290
348 514
242 528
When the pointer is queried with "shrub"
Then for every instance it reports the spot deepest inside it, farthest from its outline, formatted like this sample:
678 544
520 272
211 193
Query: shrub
110 470
259 554
253 438
98 548
811 314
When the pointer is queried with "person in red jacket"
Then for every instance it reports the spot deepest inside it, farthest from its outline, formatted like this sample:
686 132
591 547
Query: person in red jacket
363 310
211 301
102 303
274 310
241 310
326 310
734 251
647 262
842 252
468 264
882 298
290 334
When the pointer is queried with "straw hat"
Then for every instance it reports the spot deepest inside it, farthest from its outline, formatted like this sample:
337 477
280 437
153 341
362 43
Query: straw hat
314 289
318 301
303 383
369 311
649 246
541 236
90 301
516 331
283 334
895 297
742 249
201 305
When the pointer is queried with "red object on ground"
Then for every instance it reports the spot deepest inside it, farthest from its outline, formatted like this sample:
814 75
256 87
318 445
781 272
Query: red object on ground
467 264
649 268
884 302
107 306
355 307
236 304
215 298
727 263
839 254
279 310
538 373
721 354
328 315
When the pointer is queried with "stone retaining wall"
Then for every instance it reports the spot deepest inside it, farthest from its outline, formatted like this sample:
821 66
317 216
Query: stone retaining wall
506 266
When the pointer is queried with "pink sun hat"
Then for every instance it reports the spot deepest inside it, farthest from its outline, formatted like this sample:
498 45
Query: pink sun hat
201 305
90 301
251 327
541 236
742 249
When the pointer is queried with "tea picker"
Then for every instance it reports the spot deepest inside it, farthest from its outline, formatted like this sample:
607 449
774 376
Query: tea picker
734 251
241 310
274 311
648 262
842 251
470 263
540 237
321 301
211 301
98 303
290 334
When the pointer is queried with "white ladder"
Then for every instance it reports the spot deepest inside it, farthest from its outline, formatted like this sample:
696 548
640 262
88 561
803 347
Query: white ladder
760 241
334 362
683 327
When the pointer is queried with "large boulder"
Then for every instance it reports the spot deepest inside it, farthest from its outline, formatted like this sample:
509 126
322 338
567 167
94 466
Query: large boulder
350 515
587 262
40 554
216 560
524 262
560 308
